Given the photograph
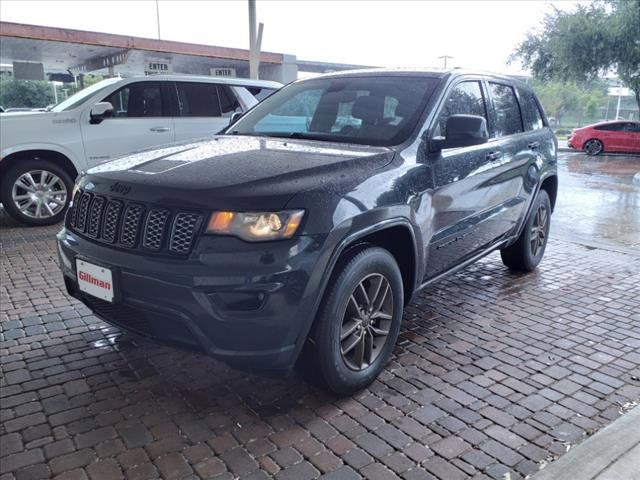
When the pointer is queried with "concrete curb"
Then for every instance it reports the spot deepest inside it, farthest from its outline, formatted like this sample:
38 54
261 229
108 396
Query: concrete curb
603 451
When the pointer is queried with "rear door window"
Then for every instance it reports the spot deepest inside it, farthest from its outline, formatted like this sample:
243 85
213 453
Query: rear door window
198 99
507 111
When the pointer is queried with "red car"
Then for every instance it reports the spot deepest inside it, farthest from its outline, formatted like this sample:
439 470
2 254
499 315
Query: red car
618 136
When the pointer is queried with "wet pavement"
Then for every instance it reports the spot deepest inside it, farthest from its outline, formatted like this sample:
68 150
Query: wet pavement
494 373
598 201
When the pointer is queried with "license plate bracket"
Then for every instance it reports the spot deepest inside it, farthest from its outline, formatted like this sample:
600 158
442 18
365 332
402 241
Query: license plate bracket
96 280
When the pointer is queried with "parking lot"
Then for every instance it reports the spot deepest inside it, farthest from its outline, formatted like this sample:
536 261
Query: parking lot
495 372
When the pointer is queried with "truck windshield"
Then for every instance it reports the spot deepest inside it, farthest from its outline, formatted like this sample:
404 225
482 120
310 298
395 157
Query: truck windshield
83 95
371 110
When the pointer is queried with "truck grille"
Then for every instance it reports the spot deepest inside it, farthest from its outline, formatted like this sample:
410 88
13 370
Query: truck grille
132 225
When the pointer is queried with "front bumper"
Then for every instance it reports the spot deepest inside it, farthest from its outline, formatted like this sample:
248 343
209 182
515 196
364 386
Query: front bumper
249 304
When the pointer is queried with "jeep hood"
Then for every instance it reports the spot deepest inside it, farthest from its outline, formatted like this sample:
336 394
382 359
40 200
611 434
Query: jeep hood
235 171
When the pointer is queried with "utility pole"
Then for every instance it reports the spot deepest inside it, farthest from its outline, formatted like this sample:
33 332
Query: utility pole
158 18
255 41
445 58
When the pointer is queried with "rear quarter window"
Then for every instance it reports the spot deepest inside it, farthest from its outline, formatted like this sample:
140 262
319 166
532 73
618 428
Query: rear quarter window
507 110
531 114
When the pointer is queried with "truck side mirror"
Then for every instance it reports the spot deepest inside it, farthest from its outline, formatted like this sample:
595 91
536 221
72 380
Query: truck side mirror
100 111
235 117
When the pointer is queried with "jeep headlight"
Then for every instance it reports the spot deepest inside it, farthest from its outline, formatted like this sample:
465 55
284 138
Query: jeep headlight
256 226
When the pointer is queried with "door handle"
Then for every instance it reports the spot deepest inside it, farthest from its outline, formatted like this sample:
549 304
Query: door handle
534 145
493 156
159 129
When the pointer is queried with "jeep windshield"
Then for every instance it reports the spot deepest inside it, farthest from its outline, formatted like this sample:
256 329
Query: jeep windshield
83 95
370 110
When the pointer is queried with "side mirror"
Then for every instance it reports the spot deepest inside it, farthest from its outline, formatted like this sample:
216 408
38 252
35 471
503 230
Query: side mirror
100 111
235 117
462 131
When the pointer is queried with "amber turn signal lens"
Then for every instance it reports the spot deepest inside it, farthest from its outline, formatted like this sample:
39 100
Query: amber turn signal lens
220 221
293 224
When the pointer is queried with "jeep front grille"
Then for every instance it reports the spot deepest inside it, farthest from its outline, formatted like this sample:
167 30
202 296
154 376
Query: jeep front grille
133 225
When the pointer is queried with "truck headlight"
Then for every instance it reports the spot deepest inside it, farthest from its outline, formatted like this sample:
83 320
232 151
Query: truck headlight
256 226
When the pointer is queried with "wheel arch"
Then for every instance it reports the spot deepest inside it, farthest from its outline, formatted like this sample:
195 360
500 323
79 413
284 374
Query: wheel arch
38 153
396 235
550 185
398 240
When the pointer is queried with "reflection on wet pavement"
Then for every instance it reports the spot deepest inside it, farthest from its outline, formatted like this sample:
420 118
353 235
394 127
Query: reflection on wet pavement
597 199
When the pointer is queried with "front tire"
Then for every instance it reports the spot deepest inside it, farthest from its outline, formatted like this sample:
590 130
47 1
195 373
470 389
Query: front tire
527 252
36 192
593 147
358 324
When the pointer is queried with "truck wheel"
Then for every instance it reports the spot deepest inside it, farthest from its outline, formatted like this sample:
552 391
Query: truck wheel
359 321
526 253
36 192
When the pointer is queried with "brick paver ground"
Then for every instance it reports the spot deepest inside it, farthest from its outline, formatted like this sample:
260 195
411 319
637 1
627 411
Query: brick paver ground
494 372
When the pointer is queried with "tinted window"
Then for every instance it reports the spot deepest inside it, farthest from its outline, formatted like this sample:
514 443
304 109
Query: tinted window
508 119
142 99
611 127
228 101
465 99
630 127
369 110
530 111
198 99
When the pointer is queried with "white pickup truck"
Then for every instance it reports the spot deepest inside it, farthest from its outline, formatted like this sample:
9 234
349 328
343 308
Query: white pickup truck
41 153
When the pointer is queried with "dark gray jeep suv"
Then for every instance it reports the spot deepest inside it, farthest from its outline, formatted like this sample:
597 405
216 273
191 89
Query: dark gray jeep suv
304 228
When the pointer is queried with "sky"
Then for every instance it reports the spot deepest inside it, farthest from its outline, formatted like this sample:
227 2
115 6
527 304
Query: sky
477 34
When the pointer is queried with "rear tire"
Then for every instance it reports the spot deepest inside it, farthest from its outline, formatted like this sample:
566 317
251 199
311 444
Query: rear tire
527 252
36 192
593 147
358 323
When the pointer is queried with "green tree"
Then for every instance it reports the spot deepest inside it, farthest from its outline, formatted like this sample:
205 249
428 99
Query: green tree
587 43
580 101
557 98
25 93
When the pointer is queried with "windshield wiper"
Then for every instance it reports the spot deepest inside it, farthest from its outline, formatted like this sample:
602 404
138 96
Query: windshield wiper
273 134
248 134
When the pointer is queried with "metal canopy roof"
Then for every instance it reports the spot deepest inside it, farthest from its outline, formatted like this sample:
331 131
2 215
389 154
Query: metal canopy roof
61 50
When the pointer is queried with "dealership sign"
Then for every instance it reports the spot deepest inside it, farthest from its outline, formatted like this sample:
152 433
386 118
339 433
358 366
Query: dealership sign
157 66
223 72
